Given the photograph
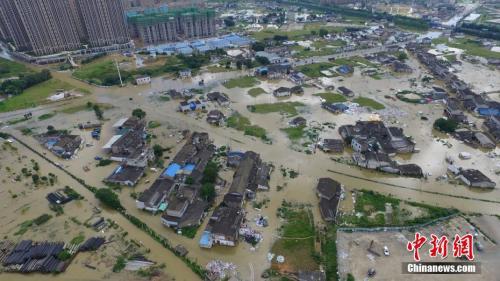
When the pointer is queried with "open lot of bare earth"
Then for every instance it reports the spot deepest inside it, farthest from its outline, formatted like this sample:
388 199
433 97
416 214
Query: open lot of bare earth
251 262
354 258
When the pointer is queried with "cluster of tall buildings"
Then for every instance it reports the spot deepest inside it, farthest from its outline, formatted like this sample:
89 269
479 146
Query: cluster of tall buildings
156 26
44 27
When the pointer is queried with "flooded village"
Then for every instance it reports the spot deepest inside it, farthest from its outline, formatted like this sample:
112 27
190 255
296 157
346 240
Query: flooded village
294 141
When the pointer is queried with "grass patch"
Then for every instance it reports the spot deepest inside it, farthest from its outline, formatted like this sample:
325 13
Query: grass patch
371 212
297 238
218 69
153 124
35 95
78 239
295 34
470 46
96 72
46 116
242 82
242 123
331 97
367 102
190 231
314 70
85 107
294 133
256 92
10 68
289 108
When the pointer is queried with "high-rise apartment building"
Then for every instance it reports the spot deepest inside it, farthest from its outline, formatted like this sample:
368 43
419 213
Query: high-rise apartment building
12 28
104 21
50 26
173 25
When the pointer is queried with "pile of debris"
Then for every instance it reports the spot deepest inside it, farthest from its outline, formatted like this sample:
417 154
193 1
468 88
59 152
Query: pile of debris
219 270
92 244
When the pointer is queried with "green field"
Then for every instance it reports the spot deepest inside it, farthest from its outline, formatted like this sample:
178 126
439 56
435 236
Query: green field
331 97
367 102
296 242
372 207
242 82
10 68
297 34
289 108
294 133
46 116
35 95
242 123
314 70
97 72
256 92
470 46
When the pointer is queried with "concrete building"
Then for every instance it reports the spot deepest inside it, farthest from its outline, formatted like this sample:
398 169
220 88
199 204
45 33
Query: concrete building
47 24
44 27
11 26
159 25
104 21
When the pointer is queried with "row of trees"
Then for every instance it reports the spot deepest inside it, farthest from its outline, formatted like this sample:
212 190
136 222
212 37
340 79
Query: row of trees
480 30
17 86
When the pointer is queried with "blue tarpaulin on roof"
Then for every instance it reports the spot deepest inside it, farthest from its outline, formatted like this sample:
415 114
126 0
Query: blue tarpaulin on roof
172 170
206 240
189 168
489 111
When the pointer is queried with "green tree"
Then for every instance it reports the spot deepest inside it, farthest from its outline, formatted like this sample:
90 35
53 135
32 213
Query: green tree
109 198
323 32
350 277
210 173
139 113
262 60
158 151
402 56
208 191
445 125
98 112
258 46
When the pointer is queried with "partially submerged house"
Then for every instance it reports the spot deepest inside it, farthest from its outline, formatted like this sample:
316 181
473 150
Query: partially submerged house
282 92
329 192
129 145
332 145
215 117
475 178
61 143
335 108
125 175
184 205
345 91
192 105
298 122
390 140
492 127
223 227
251 174
400 67
218 97
154 198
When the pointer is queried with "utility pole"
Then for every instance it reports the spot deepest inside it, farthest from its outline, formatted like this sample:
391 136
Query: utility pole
119 74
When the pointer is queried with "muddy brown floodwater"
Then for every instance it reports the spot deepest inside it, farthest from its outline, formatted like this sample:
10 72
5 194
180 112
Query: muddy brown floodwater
252 262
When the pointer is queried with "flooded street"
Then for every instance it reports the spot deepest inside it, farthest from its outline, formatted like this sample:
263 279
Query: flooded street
310 167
